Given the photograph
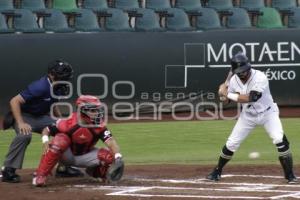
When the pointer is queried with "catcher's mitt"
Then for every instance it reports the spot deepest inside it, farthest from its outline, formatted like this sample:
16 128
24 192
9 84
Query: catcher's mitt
115 171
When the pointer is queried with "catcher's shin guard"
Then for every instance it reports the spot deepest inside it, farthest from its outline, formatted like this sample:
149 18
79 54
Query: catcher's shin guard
105 156
56 148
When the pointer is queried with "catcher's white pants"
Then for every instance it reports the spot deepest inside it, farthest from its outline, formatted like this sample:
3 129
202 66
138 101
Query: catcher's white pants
247 121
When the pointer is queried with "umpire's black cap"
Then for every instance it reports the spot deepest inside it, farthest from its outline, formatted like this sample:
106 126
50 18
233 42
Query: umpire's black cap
240 63
61 70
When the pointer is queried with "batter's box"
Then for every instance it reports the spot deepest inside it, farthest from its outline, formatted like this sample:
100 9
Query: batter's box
204 193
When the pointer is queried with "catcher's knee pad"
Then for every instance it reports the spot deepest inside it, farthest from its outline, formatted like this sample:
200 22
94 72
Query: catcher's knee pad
105 156
226 153
97 171
283 147
60 143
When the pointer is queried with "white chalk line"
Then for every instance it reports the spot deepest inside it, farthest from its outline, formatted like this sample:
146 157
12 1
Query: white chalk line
295 195
206 182
190 196
134 191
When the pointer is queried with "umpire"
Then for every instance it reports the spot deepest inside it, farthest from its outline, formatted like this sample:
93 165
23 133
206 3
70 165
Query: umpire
30 113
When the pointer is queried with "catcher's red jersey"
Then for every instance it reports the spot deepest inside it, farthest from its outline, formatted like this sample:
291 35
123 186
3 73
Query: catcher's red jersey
83 139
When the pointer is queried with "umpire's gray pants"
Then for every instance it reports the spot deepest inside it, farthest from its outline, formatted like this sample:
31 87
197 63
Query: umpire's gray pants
16 152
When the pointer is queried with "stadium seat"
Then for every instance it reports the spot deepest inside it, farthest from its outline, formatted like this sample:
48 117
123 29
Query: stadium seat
148 21
188 5
208 20
95 5
270 18
127 5
26 22
35 5
158 5
284 4
56 22
177 20
252 5
86 21
3 26
6 5
238 19
220 5
294 19
118 21
65 5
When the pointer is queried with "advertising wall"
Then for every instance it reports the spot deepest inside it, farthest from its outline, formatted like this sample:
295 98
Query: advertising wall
126 69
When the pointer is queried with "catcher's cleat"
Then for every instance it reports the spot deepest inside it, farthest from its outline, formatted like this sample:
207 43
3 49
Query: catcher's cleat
9 175
215 175
67 171
39 180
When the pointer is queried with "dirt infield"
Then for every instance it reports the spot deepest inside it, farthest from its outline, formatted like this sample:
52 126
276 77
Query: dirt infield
164 182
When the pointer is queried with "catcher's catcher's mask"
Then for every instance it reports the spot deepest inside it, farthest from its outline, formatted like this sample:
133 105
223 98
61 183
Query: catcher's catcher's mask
91 110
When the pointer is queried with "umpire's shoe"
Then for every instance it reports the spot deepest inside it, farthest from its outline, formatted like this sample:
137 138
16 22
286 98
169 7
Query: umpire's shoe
215 175
9 175
67 171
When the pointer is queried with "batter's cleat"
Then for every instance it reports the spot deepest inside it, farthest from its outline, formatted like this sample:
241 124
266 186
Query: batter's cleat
67 171
215 175
9 175
292 180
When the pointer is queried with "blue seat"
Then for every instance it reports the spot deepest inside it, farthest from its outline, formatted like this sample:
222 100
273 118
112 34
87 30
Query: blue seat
188 5
148 21
6 5
208 20
158 5
33 5
238 19
26 22
86 21
220 5
294 19
3 25
178 20
118 21
128 5
252 5
284 4
95 5
56 22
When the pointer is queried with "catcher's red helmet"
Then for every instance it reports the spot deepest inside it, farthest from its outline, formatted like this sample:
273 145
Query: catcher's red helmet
91 109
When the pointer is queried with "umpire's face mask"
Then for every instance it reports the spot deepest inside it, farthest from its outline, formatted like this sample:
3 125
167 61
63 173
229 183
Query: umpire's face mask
61 89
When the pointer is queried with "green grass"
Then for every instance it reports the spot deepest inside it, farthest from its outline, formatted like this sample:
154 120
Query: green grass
184 142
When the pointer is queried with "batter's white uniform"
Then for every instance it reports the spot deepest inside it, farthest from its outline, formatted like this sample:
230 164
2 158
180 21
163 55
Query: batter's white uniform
263 112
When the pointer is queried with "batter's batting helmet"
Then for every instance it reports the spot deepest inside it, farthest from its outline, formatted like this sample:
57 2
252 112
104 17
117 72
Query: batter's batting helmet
239 63
61 70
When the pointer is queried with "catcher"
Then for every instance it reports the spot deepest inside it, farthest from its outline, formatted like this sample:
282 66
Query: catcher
74 143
